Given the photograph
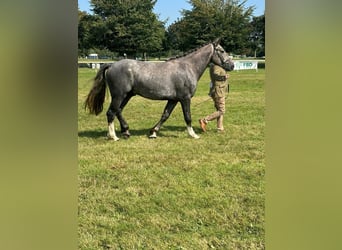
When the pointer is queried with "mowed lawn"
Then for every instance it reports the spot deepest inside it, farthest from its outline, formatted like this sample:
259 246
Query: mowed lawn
175 192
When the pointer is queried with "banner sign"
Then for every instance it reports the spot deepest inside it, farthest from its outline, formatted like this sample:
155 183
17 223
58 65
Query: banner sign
241 65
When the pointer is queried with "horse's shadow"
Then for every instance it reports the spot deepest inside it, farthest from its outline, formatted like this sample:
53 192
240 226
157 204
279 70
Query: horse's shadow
134 132
92 133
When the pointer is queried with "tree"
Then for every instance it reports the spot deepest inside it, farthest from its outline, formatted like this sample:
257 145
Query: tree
129 26
208 19
84 23
257 36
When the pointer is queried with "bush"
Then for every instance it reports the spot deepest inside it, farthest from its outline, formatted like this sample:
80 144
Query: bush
261 65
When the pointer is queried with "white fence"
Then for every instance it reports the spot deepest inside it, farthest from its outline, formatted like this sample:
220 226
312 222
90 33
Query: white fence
95 65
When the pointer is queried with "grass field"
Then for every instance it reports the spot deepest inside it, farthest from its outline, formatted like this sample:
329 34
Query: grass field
175 192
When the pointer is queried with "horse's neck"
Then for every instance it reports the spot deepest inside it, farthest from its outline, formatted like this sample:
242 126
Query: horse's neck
200 59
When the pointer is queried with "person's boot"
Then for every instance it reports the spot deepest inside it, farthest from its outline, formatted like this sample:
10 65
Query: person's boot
203 124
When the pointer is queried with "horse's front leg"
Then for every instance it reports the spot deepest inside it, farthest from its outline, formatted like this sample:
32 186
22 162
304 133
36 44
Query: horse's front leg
187 117
171 104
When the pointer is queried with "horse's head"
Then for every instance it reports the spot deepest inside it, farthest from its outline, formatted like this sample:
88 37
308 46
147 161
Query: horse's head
221 58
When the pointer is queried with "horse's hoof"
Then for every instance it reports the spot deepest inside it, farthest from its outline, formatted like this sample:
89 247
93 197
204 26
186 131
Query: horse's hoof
192 132
153 134
113 138
126 135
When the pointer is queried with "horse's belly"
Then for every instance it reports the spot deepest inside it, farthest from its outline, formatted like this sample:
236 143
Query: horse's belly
156 94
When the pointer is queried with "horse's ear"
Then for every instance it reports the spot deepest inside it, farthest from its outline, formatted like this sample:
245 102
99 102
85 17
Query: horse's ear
217 41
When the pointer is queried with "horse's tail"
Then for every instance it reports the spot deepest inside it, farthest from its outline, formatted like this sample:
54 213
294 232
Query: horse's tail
97 94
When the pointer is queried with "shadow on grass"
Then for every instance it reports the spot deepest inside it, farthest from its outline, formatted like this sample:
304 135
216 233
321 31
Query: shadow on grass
92 133
134 132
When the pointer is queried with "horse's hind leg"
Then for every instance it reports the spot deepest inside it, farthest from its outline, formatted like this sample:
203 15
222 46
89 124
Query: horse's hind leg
123 124
112 110
171 104
187 118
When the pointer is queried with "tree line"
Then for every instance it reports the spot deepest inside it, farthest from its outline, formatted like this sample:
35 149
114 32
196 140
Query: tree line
130 27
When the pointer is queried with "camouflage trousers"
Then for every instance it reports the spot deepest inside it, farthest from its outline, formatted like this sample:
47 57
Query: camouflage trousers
219 103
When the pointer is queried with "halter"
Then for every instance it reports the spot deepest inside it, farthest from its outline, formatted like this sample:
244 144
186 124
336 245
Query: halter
219 55
224 63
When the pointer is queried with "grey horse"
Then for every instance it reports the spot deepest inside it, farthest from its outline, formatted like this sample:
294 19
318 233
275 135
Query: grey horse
174 80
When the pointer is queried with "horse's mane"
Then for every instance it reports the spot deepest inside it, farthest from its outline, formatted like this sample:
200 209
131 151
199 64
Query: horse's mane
187 53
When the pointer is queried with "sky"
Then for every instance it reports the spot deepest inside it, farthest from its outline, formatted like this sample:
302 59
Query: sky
171 8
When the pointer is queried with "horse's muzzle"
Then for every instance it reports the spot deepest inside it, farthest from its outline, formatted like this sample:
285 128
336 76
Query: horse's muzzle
228 65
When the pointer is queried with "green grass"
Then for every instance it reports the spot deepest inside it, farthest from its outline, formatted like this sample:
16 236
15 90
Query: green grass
175 192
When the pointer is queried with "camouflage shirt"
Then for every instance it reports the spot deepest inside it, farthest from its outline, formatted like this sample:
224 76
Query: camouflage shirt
218 78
